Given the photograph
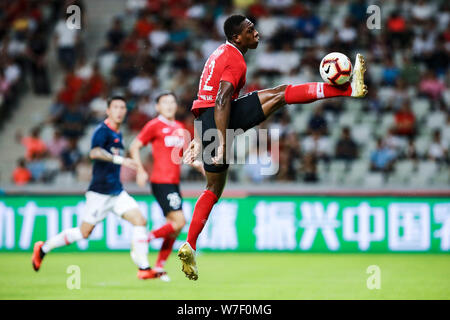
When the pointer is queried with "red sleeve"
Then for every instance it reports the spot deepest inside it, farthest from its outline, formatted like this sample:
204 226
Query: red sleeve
232 73
147 133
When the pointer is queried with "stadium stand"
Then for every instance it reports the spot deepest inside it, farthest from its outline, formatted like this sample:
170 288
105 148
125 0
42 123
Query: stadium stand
398 135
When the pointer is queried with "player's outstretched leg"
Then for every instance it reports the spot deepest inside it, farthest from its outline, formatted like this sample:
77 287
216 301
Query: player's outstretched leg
169 232
275 98
209 197
64 238
139 243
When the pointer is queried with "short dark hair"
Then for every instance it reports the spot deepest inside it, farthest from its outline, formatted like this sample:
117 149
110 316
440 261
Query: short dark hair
111 99
232 25
165 93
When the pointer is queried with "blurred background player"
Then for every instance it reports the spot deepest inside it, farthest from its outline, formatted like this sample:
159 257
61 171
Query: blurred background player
218 107
106 194
167 137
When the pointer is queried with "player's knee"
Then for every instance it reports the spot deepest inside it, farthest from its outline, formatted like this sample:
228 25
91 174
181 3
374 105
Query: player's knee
178 222
140 220
85 233
214 188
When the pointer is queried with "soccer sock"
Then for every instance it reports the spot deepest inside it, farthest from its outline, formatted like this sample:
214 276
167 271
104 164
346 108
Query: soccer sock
63 238
162 232
202 210
139 247
312 91
165 251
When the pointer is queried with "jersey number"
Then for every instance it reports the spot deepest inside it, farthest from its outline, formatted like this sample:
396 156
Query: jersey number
211 70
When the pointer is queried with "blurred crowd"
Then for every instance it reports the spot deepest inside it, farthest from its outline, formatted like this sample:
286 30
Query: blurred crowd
161 45
24 25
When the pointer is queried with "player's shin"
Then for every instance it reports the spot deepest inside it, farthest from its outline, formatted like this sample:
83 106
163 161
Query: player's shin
165 251
202 210
64 238
139 247
312 91
162 232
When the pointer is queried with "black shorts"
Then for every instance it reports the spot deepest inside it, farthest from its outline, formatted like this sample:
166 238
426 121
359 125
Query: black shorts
168 196
246 112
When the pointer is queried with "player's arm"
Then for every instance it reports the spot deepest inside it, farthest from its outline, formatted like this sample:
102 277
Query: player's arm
222 117
98 153
141 175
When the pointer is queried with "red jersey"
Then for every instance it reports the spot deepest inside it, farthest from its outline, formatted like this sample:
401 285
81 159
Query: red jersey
164 135
225 63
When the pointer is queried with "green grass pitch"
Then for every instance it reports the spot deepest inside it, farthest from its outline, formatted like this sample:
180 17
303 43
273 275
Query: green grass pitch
230 276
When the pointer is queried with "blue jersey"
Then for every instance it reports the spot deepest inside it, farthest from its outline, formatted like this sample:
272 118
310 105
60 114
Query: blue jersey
106 175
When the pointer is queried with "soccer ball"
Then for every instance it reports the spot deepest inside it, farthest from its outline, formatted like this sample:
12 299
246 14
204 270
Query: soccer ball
335 68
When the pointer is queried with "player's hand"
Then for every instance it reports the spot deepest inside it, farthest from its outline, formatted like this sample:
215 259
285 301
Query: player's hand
198 165
141 178
220 156
129 163
192 152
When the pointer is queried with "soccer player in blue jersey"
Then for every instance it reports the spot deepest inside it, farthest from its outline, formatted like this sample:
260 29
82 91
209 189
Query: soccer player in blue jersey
106 194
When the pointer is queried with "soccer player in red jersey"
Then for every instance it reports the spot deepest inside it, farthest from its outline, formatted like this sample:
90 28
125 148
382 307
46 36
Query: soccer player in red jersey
167 137
218 107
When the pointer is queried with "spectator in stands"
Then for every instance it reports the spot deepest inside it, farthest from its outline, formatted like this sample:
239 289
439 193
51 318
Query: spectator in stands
347 35
430 86
71 122
318 122
12 71
94 85
411 151
309 168
21 175
286 171
346 147
317 145
422 11
383 158
397 27
140 84
57 144
394 142
438 150
390 72
71 156
408 72
308 24
37 57
405 121
66 40
400 95
267 62
116 34
4 86
143 26
34 145
98 106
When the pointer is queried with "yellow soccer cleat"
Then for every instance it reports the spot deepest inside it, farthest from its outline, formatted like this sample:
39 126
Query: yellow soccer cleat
359 89
187 257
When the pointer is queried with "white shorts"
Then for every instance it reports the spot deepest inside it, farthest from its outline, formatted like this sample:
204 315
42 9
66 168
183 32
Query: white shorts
98 205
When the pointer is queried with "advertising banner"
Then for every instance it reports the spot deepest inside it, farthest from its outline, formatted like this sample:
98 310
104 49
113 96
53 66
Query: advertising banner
254 223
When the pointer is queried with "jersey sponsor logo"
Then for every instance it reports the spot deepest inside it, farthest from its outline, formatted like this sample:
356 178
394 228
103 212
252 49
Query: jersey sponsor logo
173 141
